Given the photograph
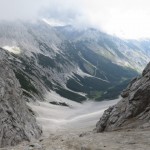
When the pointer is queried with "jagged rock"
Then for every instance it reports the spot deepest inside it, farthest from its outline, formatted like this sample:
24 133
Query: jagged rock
133 111
17 122
146 70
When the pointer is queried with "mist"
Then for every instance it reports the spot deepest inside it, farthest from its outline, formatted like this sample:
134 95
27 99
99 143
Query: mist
79 118
126 19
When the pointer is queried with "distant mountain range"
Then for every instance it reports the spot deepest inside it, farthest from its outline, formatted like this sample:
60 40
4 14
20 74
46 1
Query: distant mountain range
75 64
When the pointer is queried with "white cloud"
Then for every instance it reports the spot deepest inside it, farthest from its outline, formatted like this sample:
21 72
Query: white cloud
124 18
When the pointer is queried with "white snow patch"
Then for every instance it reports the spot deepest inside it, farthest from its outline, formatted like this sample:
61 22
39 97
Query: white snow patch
55 48
13 49
82 74
53 22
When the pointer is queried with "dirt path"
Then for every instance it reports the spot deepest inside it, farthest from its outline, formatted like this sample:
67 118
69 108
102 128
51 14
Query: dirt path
124 140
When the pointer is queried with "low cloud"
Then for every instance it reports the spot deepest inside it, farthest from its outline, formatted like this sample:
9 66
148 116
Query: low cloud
124 18
33 9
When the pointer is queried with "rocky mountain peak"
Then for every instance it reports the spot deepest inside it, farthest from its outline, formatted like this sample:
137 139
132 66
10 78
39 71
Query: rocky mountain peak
17 122
133 111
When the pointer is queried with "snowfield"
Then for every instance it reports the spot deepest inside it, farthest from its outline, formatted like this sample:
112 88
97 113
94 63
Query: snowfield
12 49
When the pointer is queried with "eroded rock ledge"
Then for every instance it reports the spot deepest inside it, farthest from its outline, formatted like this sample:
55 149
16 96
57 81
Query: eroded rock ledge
133 111
17 122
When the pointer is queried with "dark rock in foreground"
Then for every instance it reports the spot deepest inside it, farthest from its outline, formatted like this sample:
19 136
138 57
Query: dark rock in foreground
17 122
133 111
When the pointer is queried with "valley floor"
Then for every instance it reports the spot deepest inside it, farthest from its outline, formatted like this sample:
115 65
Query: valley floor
71 129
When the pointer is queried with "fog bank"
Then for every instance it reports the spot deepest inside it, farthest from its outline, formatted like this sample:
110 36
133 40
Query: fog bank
82 117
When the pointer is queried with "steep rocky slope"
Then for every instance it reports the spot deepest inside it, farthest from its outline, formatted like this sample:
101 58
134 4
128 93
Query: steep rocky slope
17 122
127 53
133 111
77 65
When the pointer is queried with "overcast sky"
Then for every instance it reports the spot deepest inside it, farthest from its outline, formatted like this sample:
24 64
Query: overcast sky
124 18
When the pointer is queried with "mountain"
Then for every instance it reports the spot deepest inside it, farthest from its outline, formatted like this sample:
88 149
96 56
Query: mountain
129 53
74 64
133 111
61 65
17 120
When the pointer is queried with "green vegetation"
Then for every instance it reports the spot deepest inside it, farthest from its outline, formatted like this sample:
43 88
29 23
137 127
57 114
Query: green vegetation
47 82
25 82
97 89
95 94
114 72
89 68
113 92
46 61
59 103
87 84
70 95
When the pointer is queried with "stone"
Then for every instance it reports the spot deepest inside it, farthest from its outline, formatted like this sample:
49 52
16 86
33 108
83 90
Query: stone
133 109
35 146
17 123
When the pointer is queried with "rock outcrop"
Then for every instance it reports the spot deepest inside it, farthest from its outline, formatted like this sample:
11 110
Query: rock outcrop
17 122
133 111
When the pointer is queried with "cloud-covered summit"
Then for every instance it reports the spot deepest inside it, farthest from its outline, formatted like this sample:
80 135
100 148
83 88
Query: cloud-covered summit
124 18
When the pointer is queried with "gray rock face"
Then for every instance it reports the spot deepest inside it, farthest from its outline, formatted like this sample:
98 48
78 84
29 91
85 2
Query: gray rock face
69 61
17 122
133 111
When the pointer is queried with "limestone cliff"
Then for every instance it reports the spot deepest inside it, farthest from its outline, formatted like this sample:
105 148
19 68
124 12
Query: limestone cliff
17 122
133 111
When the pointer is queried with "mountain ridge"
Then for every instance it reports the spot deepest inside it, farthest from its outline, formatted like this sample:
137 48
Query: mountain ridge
133 110
17 120
49 66
65 65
